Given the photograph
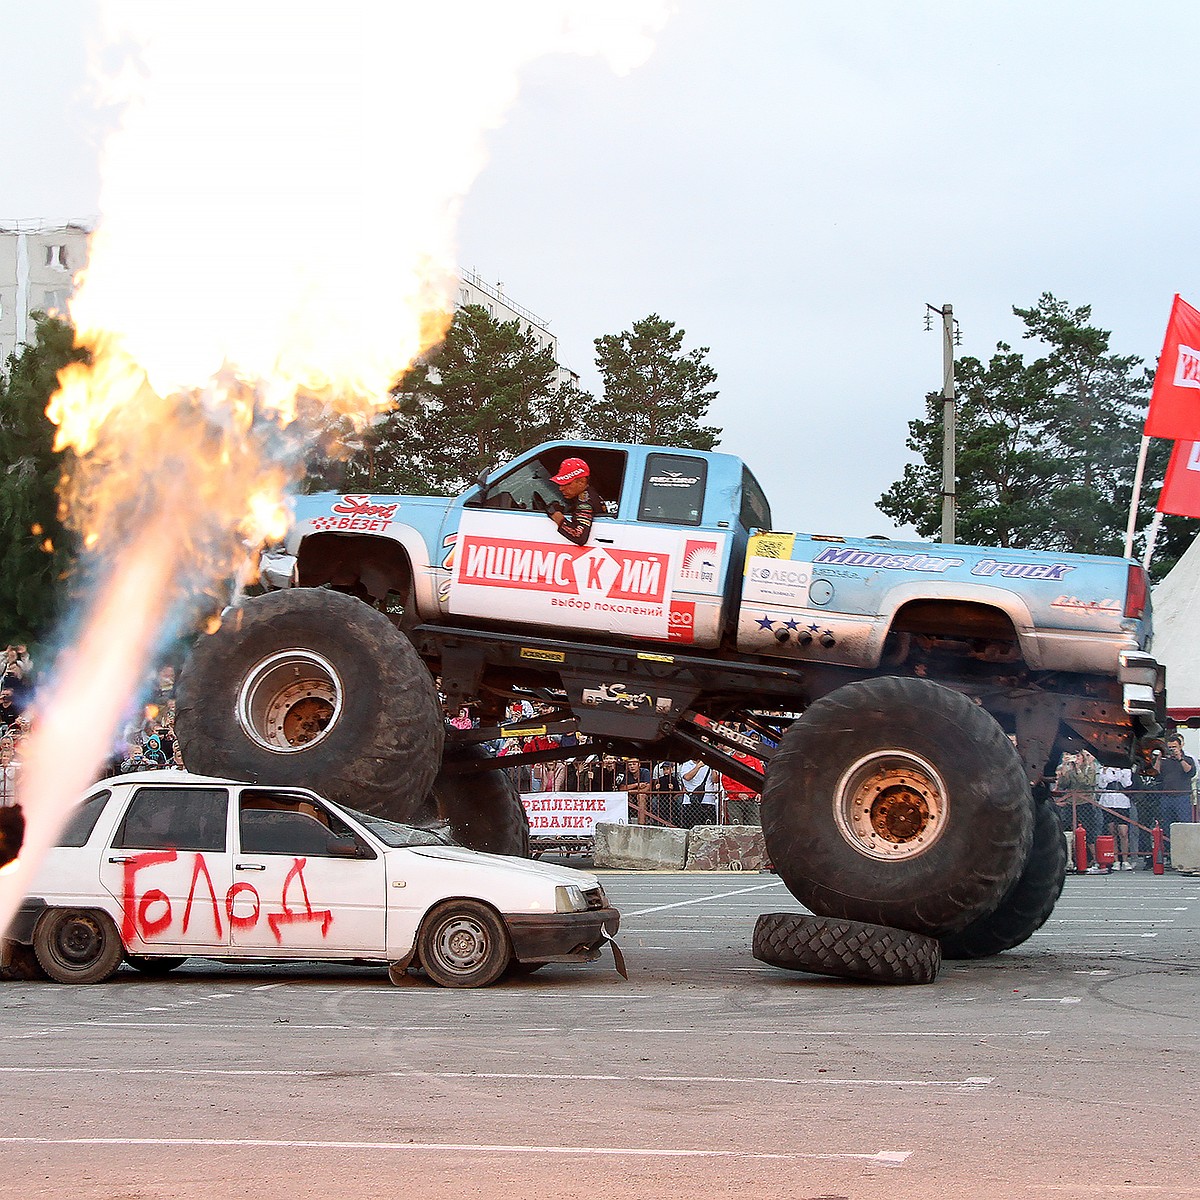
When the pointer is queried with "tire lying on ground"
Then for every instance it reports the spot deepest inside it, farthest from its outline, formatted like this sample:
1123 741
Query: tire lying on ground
1027 904
484 808
846 949
900 803
309 686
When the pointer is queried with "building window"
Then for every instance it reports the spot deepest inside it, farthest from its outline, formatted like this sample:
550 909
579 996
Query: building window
56 256
55 301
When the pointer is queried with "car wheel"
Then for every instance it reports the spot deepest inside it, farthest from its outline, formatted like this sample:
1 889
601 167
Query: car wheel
464 944
77 945
154 964
314 685
846 949
1028 903
897 802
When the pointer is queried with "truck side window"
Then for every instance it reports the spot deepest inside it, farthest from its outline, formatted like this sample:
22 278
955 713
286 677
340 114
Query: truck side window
756 512
673 491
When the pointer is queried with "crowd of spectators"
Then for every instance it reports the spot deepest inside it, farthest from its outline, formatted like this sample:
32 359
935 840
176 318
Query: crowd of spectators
1124 804
660 792
146 742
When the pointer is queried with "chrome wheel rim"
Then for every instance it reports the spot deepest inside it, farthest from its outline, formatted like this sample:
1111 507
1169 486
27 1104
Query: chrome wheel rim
891 805
290 701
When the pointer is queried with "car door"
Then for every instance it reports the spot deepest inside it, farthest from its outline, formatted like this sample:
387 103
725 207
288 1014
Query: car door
168 865
510 563
305 884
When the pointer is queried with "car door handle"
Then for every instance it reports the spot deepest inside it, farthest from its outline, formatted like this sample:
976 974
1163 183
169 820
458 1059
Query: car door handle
249 867
609 541
121 858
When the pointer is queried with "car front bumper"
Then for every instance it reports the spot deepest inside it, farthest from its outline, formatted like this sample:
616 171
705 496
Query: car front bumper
562 937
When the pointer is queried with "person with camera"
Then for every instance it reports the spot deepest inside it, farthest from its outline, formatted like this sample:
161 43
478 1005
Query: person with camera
1176 774
574 516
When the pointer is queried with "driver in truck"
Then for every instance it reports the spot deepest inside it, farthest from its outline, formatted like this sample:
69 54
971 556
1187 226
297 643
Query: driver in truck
574 520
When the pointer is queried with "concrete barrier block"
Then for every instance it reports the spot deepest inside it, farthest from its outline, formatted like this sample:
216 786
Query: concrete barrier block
1185 847
639 848
720 847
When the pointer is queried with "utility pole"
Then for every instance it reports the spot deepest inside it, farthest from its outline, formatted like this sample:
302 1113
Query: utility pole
950 339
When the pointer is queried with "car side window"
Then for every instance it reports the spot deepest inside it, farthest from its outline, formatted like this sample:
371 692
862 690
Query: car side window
673 491
175 818
83 820
283 823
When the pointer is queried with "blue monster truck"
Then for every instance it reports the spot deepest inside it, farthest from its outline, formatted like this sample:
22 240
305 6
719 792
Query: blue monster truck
920 695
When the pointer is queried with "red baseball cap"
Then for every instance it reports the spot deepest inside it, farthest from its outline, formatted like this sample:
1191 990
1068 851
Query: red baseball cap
572 468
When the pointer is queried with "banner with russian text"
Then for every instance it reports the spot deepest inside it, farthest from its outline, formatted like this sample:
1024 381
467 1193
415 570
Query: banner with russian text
1175 400
574 814
1181 491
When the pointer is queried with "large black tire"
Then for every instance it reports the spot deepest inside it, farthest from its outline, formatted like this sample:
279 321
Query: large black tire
484 809
1027 904
77 945
315 687
900 803
846 949
464 944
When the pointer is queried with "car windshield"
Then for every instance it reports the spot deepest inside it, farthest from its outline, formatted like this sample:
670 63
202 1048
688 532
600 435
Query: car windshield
395 834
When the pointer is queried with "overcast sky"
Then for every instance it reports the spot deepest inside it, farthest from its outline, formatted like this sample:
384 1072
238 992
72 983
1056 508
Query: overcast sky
790 182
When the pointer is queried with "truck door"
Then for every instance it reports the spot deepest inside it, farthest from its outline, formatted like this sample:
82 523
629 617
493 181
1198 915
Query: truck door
633 577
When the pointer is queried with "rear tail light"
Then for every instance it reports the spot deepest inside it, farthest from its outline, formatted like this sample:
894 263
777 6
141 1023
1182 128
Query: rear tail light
1137 591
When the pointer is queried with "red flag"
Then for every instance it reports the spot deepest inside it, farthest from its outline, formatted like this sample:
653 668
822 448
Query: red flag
1175 401
1181 492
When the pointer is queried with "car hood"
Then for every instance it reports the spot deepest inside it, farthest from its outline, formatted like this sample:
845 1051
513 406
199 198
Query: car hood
518 866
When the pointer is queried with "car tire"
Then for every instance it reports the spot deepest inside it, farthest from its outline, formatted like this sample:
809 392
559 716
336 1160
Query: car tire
154 964
77 945
19 963
846 949
464 944
1027 905
483 808
312 685
897 802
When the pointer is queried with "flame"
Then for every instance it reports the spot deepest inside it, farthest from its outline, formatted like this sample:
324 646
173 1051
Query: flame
276 245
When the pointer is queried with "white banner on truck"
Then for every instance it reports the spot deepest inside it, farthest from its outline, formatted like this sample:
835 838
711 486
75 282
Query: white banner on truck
517 566
574 814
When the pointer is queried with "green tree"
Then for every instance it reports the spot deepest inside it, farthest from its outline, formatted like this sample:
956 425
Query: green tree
655 393
484 394
1045 451
36 552
1002 468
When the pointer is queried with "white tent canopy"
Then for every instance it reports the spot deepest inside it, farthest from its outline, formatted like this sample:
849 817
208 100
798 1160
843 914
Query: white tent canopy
1177 629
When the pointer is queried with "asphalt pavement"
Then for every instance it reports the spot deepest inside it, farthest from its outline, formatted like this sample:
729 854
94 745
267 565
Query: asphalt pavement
1066 1068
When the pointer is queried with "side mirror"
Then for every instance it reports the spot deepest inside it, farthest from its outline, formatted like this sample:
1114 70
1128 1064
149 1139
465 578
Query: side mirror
343 848
482 480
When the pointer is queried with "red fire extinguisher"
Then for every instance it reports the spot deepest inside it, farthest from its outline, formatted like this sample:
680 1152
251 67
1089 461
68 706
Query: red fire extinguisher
1080 849
1157 834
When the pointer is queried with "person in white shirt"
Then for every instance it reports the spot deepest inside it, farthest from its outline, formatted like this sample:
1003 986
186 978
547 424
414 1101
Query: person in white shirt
701 792
1112 793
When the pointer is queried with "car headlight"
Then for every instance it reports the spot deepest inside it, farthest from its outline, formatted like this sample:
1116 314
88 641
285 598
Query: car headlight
569 899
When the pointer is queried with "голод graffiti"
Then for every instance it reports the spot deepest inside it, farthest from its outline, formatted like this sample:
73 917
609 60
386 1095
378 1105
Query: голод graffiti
138 920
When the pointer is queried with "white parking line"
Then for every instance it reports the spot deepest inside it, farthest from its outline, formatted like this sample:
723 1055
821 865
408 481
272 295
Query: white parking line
641 912
891 1158
971 1084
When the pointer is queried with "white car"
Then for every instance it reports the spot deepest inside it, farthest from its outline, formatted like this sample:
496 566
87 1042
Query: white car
160 866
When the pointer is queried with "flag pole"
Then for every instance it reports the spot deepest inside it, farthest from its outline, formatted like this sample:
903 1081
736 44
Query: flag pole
1137 495
1151 538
